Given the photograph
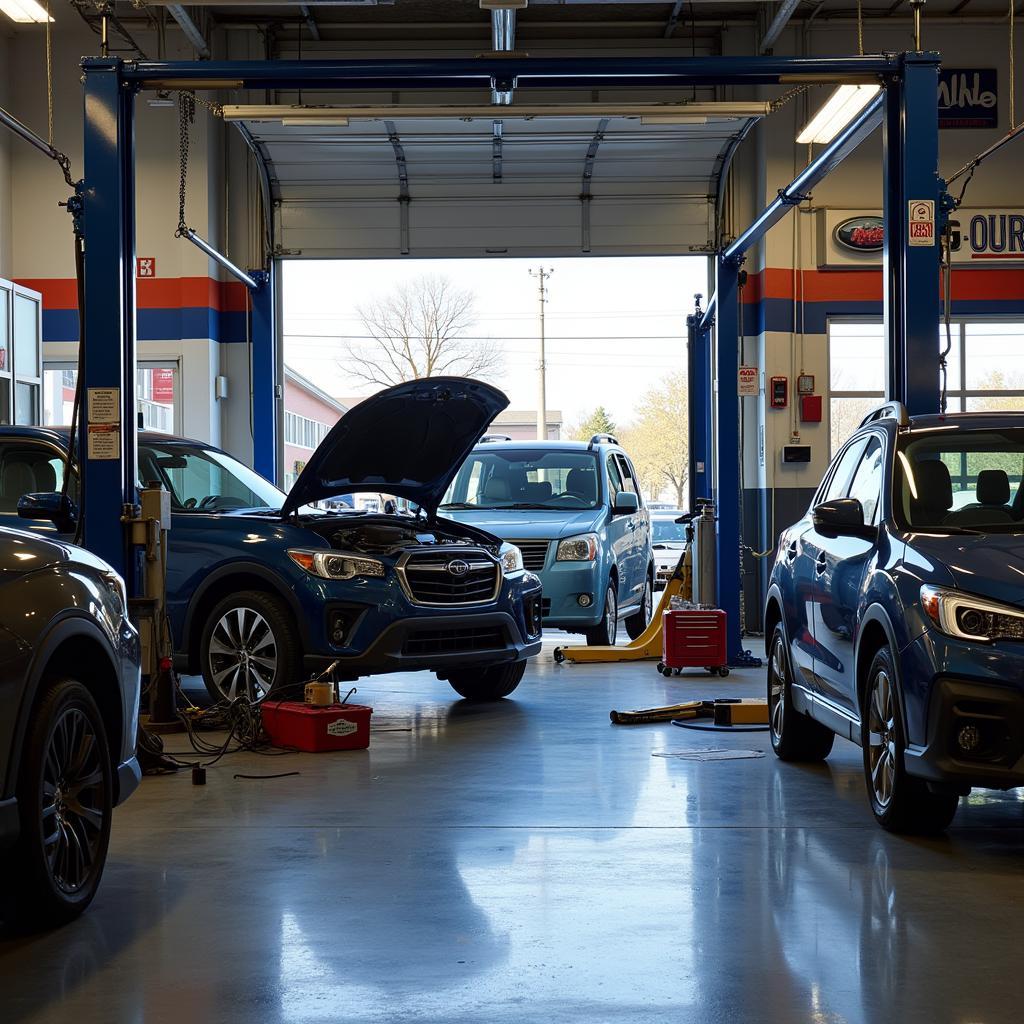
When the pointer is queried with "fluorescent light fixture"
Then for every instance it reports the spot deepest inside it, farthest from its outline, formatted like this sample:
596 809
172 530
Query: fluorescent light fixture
839 110
28 12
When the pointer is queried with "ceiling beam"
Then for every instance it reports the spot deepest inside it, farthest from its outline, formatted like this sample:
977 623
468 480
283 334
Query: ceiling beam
190 28
779 23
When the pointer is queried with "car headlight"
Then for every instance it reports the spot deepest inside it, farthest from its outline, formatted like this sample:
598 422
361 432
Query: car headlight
511 559
971 618
335 565
577 549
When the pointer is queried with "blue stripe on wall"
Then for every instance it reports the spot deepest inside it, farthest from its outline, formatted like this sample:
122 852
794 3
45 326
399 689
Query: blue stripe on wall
158 324
777 314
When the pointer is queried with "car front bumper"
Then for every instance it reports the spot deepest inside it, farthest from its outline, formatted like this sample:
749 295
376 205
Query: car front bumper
972 692
564 584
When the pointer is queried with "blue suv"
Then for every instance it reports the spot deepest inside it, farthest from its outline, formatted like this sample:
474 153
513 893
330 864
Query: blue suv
575 511
263 589
895 613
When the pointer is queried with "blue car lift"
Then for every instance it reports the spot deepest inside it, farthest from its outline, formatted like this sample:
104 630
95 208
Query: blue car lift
907 107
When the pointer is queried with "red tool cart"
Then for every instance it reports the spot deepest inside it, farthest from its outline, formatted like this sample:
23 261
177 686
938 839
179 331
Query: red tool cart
693 638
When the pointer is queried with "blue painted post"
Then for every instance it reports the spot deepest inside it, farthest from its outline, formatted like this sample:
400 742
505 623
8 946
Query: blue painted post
911 255
107 442
727 447
699 372
263 337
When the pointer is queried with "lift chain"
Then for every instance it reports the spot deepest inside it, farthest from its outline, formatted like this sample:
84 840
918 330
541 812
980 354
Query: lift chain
186 116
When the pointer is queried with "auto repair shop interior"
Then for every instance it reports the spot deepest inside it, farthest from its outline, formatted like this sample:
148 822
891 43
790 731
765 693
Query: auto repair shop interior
390 633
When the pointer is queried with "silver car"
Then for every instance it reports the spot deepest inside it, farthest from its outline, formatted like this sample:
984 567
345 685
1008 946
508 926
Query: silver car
668 539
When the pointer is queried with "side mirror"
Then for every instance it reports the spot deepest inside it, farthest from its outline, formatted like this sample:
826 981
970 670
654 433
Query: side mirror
841 517
626 504
52 505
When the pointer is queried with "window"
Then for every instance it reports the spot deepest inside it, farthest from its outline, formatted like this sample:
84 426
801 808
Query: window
615 483
27 468
20 346
628 479
303 432
839 482
867 480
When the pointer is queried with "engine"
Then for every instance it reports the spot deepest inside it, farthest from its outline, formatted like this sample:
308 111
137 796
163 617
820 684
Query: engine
386 536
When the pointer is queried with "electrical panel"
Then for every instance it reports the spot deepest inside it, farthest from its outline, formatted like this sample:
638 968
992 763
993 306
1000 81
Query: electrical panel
794 454
779 392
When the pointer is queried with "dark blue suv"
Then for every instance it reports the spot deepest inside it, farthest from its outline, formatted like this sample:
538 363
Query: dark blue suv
263 588
895 613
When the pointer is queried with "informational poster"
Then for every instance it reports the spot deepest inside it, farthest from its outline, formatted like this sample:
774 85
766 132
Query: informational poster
103 423
104 405
747 382
103 441
921 221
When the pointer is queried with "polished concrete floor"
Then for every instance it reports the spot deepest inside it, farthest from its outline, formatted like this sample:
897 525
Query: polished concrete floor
527 861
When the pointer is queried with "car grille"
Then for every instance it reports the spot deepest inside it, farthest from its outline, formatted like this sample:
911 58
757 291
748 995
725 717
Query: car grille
546 607
535 553
454 641
429 578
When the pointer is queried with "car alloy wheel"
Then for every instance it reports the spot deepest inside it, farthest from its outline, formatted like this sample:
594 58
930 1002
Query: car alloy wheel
882 738
243 654
777 688
611 618
73 801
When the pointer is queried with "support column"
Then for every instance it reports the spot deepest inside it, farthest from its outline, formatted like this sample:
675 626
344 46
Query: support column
911 254
698 358
108 465
727 445
265 385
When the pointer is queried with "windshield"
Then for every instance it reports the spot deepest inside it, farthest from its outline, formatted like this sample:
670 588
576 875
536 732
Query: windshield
203 480
668 531
525 478
968 480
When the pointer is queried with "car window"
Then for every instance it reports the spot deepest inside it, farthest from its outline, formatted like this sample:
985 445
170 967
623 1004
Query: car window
628 477
839 483
866 485
28 467
615 483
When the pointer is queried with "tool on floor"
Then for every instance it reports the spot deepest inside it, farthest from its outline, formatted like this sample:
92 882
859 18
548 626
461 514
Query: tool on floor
714 709
748 715
300 726
648 645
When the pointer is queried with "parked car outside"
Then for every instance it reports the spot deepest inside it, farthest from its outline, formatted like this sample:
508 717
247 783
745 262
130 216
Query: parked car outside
668 540
69 703
895 613
263 589
575 511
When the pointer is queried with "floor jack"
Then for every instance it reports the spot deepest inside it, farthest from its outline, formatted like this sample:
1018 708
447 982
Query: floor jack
648 645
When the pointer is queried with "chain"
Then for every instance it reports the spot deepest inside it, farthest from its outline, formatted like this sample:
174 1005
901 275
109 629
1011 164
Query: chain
49 76
186 116
214 108
860 27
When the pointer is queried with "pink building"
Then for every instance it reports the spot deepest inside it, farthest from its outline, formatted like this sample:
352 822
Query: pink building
309 414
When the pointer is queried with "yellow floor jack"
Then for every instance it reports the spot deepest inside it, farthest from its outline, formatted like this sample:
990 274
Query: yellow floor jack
648 645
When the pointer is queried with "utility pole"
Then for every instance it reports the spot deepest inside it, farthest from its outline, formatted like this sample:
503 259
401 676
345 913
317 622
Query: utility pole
542 405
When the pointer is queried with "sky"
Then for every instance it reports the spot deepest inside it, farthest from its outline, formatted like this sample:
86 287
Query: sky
615 325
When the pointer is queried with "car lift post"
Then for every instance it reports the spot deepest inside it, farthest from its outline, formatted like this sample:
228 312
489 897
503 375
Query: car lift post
264 372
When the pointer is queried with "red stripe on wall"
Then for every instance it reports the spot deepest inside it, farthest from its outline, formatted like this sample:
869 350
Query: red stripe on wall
152 293
866 285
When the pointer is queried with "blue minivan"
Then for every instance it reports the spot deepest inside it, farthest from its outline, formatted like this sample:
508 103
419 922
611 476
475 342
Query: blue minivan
264 589
895 613
575 511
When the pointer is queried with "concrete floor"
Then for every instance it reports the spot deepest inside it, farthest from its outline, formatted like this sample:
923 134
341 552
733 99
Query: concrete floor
528 861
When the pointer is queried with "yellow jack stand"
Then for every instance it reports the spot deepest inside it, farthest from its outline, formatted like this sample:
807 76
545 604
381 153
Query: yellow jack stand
648 645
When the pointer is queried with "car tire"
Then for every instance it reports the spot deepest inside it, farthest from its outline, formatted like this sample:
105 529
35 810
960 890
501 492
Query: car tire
638 622
248 648
900 802
794 736
65 805
491 683
606 631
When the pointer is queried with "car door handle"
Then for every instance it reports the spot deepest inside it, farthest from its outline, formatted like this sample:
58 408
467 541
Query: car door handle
820 565
791 551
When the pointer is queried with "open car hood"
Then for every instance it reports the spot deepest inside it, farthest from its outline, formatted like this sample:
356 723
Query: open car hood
408 441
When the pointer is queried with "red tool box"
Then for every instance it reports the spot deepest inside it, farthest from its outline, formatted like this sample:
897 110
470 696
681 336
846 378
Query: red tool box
290 723
693 638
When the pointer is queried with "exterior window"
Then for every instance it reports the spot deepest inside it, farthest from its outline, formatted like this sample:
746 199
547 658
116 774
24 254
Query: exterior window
20 355
302 432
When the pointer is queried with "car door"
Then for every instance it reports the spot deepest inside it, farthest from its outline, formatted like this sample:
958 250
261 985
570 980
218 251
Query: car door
620 538
29 466
801 554
839 572
637 533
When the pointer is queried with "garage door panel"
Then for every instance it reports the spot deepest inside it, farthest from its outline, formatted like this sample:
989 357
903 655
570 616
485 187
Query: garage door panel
338 187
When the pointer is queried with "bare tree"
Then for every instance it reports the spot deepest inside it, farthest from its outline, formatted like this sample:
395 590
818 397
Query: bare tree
420 330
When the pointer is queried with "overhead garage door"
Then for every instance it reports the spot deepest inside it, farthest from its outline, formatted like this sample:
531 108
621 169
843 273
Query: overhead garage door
385 185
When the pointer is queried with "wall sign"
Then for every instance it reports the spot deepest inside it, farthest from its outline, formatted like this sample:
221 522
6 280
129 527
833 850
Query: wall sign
145 266
968 98
921 222
980 237
747 381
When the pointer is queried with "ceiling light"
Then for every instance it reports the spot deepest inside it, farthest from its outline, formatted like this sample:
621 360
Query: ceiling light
27 12
839 110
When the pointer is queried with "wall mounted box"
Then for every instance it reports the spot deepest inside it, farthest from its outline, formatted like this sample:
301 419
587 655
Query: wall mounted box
796 453
810 408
